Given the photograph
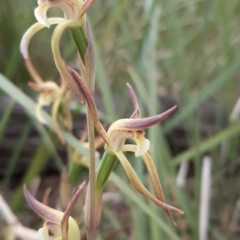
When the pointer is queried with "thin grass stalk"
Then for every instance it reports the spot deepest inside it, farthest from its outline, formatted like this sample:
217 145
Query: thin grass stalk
231 131
205 197
217 235
234 117
16 152
236 216
14 62
114 19
5 119
140 225
226 44
182 174
148 60
206 92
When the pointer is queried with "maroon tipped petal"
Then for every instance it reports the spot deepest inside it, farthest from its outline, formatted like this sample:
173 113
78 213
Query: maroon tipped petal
143 123
42 210
133 97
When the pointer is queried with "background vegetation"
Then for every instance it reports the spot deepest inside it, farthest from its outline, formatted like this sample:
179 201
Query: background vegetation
186 51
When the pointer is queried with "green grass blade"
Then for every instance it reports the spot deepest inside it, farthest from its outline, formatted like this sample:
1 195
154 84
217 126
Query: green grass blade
16 152
37 163
212 142
4 119
205 93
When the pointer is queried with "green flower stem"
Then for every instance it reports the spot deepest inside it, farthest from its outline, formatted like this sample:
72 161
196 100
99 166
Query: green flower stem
107 164
81 42
80 38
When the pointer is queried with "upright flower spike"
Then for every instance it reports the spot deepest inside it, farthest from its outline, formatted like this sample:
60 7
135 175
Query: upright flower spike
115 138
57 225
87 69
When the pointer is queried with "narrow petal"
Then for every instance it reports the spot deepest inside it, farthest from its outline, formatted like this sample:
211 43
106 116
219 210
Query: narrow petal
153 176
137 184
142 123
45 212
44 86
155 181
91 103
27 38
32 71
31 32
34 86
86 6
133 97
69 226
61 66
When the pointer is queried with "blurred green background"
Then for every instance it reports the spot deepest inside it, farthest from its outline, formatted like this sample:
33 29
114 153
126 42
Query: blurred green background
171 51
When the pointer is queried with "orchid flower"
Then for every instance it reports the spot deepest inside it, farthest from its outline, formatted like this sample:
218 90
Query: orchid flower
50 93
58 225
74 16
115 138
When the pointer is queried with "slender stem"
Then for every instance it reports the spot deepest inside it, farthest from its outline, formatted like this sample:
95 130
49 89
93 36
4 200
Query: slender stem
108 162
81 41
92 232
92 229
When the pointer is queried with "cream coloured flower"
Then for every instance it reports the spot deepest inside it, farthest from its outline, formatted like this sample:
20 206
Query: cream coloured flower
115 138
74 17
58 225
51 93
72 10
